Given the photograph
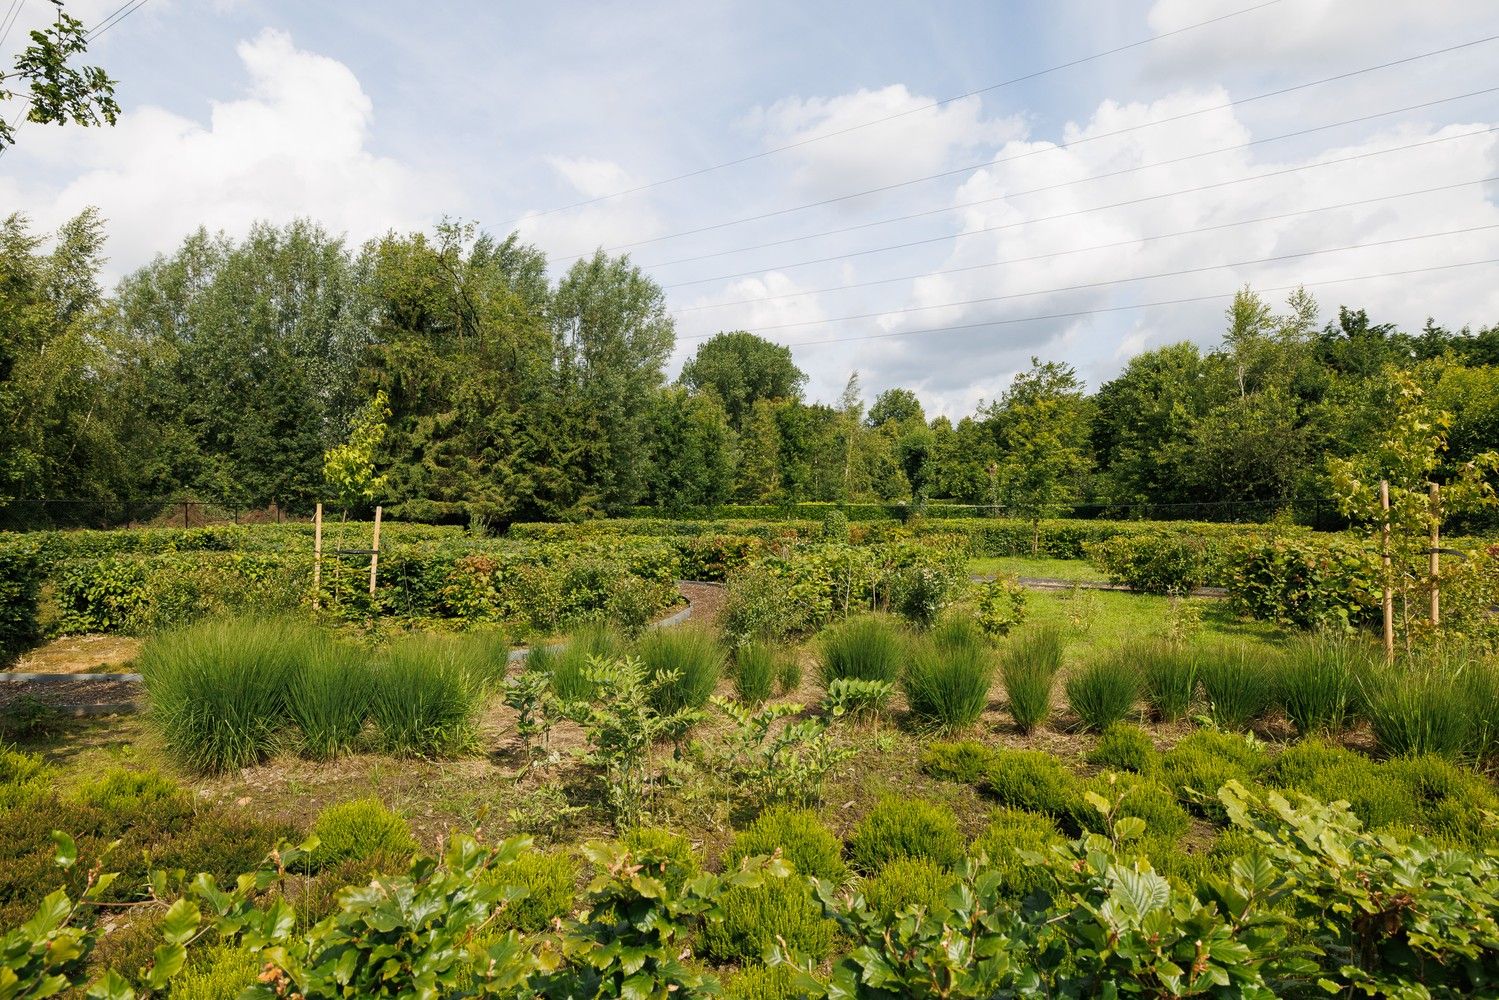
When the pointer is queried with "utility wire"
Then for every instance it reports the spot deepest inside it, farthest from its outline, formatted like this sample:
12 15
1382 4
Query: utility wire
899 114
1077 313
985 164
9 20
1118 281
1133 241
1069 214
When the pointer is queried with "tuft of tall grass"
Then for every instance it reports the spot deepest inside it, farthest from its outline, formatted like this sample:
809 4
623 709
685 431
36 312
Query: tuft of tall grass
1104 691
328 699
1239 686
1168 674
569 665
692 657
1480 679
868 647
1418 708
427 694
1318 681
947 685
218 690
1029 666
958 631
754 670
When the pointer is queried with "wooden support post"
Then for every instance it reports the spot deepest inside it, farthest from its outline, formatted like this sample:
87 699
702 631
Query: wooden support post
184 513
1389 592
317 557
1436 556
375 552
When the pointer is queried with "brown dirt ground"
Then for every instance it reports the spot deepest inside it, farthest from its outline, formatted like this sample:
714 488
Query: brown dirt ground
81 654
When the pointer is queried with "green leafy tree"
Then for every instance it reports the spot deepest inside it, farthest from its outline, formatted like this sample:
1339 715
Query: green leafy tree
349 468
1040 426
743 369
58 91
692 446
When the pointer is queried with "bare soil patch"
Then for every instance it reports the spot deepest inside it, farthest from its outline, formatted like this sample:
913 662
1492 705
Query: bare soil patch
81 654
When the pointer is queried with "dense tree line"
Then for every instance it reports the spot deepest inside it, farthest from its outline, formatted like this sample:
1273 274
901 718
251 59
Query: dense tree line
226 370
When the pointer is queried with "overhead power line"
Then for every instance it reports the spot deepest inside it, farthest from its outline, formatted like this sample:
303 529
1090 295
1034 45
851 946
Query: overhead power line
1068 214
1115 281
993 162
1133 241
8 21
899 114
1101 310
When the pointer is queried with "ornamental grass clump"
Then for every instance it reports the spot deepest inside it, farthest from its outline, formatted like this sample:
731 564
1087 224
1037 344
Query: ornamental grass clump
569 666
947 686
1104 691
687 662
1418 708
1240 688
753 671
1169 673
1318 681
427 694
868 647
1029 668
328 699
219 689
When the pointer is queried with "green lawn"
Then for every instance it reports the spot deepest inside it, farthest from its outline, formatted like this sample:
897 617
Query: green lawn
1056 569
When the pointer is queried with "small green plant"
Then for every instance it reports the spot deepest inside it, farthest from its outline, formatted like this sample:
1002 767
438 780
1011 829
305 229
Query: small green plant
905 882
328 700
356 830
1133 795
1204 762
1239 687
788 674
1417 708
1031 780
1008 845
691 657
966 761
24 778
685 864
427 694
868 647
769 982
1125 748
216 973
1318 681
550 881
754 670
759 605
906 828
1029 666
1104 691
767 759
130 794
801 839
947 682
529 695
1169 674
779 913
850 697
29 717
999 606
569 666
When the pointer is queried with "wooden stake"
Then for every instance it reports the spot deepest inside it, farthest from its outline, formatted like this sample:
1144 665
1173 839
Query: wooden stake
375 552
1436 556
317 557
1389 594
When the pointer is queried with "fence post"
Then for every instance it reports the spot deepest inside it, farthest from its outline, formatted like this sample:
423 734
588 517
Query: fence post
1389 593
317 557
184 513
375 552
1436 557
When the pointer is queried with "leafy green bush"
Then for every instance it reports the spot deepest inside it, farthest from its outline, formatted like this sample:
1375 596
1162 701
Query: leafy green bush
1029 666
835 526
1239 686
1304 581
768 982
1318 681
811 848
758 605
779 912
920 593
686 661
356 830
999 605
328 700
673 852
550 882
1032 780
1138 796
1156 562
1009 833
1169 673
907 881
1417 708
754 669
568 667
947 684
906 828
21 580
428 692
218 690
1104 691
869 647
1204 762
1125 748
966 761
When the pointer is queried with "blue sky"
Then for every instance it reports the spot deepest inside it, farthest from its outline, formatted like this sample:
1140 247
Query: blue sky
370 116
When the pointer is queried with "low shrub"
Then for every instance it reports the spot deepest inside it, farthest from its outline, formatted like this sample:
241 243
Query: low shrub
906 882
550 881
947 683
218 972
328 700
1032 780
672 850
1318 681
692 658
766 982
1240 688
967 761
758 605
1009 833
1331 773
1156 562
1451 801
128 794
754 669
427 694
568 667
1126 748
224 845
357 830
780 912
906 828
218 690
811 848
999 606
1417 708
1204 762
1029 666
1169 673
1138 796
869 647
24 779
1103 692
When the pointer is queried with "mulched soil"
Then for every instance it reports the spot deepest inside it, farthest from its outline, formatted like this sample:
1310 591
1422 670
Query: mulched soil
707 602
71 694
